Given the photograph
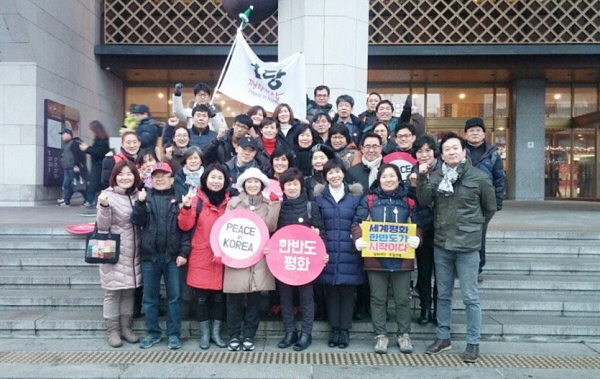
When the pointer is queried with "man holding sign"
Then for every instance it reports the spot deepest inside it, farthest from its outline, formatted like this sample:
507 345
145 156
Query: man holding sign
388 251
464 200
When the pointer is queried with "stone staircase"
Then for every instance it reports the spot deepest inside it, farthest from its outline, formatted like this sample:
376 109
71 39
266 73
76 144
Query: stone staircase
538 285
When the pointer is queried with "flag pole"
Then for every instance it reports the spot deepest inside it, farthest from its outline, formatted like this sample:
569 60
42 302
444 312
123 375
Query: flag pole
244 17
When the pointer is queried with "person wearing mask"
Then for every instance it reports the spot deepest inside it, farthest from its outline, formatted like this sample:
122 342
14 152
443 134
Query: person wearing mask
200 133
426 152
322 123
485 157
345 104
202 94
341 143
297 209
319 104
224 146
73 163
96 151
369 117
303 143
463 200
130 147
205 270
187 180
121 279
249 282
387 203
344 271
145 160
164 250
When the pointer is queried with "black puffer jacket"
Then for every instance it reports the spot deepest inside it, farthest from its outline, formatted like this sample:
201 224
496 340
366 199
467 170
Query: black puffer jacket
157 217
220 150
295 212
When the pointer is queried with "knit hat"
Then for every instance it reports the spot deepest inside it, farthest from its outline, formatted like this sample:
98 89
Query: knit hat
252 172
475 121
324 149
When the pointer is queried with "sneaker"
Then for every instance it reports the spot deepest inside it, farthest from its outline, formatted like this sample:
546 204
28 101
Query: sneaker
471 354
87 204
438 346
248 344
62 203
381 344
234 344
174 343
149 341
479 278
405 344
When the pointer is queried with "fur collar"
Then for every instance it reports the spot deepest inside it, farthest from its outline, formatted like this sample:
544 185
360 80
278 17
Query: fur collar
355 189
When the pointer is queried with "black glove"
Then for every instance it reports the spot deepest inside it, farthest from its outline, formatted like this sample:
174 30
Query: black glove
211 108
178 88
408 103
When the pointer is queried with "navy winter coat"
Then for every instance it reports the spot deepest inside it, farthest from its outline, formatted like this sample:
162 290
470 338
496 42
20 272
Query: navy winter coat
491 163
201 139
345 264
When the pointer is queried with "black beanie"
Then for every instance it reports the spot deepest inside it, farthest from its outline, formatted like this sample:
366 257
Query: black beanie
475 121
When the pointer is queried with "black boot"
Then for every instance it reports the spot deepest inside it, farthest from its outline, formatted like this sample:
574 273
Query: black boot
334 339
425 317
344 339
303 342
288 340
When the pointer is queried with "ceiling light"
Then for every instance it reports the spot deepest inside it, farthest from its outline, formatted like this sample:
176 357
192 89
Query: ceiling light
462 96
161 95
557 96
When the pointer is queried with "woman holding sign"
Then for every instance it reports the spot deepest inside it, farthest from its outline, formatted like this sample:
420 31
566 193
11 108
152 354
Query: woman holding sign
205 271
387 203
239 283
344 271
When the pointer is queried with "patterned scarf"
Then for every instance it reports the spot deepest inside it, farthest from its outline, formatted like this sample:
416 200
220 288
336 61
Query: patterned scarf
192 180
450 177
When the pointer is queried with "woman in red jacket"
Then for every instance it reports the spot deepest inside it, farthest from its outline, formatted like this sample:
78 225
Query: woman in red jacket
205 271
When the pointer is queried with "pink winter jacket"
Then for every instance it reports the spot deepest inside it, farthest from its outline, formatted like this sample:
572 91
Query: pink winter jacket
127 272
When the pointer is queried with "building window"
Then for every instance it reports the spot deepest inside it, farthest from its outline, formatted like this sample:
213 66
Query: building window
585 100
460 102
558 102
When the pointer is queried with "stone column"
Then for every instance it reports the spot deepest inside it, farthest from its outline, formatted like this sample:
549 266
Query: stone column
527 136
334 36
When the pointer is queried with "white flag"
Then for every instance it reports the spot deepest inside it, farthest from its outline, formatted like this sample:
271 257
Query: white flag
254 82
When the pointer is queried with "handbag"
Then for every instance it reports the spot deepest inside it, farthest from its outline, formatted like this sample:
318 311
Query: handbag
102 247
79 184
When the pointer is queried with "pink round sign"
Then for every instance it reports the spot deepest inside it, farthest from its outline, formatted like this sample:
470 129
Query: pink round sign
239 237
296 255
274 187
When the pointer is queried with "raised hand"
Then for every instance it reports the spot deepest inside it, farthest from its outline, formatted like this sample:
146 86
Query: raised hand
142 195
186 201
103 199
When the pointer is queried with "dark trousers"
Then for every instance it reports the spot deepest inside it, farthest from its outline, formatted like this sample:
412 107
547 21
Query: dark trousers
210 305
482 250
235 314
67 185
340 305
307 306
426 269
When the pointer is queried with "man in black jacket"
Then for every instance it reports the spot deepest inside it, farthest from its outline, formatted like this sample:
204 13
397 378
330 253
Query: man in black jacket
164 251
73 163
365 172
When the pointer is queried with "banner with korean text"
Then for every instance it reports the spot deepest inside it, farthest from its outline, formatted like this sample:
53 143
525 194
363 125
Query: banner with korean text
254 82
388 240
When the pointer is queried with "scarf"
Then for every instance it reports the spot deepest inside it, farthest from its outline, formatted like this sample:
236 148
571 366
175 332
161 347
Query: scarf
337 193
450 177
269 145
373 167
192 180
215 198
285 128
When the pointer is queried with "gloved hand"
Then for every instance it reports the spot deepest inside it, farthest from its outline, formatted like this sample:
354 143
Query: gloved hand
413 242
273 197
408 103
360 244
178 88
212 112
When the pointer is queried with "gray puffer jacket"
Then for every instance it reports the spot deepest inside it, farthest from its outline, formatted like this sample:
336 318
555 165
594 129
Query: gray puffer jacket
127 272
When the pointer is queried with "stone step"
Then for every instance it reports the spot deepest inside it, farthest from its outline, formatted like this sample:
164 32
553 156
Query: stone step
557 284
19 279
513 234
12 244
543 266
543 248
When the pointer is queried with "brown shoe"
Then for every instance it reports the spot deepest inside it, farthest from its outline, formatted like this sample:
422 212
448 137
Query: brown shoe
471 354
438 346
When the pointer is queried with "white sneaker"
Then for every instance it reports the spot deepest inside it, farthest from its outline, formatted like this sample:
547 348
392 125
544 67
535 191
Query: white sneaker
381 344
405 344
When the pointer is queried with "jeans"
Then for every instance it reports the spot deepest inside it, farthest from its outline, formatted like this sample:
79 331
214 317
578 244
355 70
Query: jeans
67 185
466 265
151 273
482 250
379 282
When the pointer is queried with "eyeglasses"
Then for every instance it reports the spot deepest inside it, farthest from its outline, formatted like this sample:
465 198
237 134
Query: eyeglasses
202 94
241 126
338 137
371 147
403 136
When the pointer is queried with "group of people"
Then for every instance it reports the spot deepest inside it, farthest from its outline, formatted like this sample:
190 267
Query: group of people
167 188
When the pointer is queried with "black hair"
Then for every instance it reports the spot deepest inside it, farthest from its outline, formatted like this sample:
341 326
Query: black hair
268 121
301 129
254 110
382 123
290 175
346 98
200 108
330 165
201 87
410 127
376 94
370 135
322 87
451 135
384 102
426 140
188 153
243 119
181 127
215 198
393 167
139 160
318 115
280 152
342 129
